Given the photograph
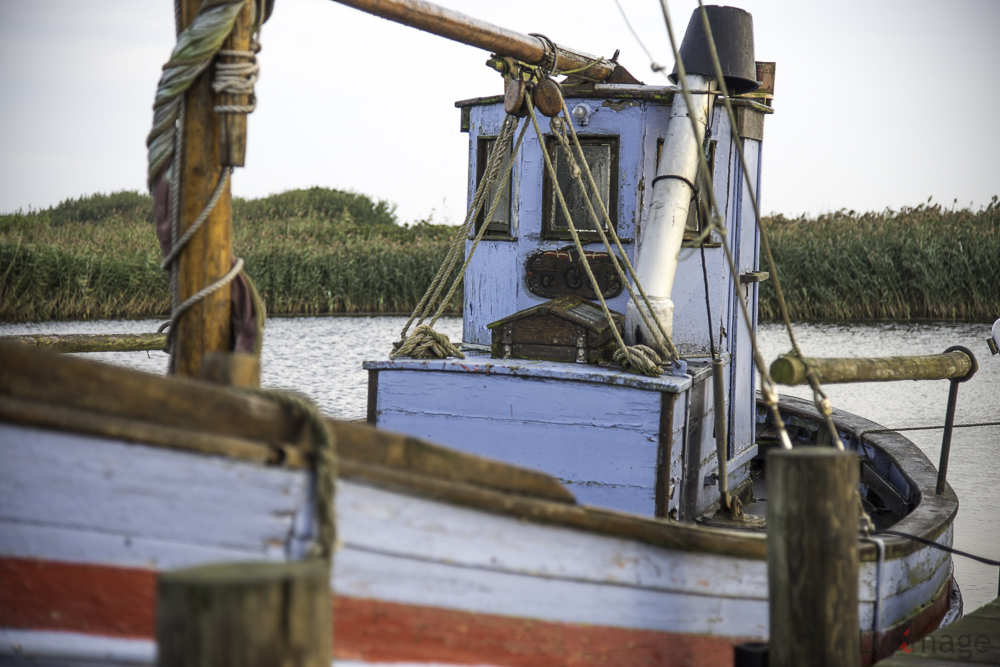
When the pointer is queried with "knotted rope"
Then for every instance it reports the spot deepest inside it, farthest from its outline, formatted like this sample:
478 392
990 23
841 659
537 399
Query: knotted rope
636 358
425 343
237 78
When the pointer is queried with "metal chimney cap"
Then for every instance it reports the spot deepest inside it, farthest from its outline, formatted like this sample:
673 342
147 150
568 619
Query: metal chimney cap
732 30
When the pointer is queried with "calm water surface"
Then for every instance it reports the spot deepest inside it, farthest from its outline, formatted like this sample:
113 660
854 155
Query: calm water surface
321 357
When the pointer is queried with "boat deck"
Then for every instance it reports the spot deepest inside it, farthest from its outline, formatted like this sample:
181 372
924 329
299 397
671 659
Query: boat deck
973 640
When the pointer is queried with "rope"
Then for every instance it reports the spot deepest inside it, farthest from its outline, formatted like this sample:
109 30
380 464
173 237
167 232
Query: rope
426 343
768 388
635 359
324 463
198 296
482 229
429 299
666 343
667 350
196 46
820 398
930 543
237 78
182 242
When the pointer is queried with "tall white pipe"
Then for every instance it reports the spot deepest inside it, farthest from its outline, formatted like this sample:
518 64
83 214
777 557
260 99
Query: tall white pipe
663 232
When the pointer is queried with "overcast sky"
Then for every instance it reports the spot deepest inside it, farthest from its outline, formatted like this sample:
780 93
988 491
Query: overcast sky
878 103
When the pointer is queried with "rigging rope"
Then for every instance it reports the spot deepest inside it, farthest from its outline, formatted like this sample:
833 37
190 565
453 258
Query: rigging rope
324 462
659 331
820 399
768 388
425 342
635 359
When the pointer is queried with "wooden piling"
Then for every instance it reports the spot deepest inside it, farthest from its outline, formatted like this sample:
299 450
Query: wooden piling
245 615
812 557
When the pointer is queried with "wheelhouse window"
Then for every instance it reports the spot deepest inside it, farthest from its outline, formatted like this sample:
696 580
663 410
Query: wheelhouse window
601 154
499 223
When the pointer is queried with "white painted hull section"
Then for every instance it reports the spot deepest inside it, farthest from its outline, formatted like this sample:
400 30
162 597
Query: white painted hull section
80 499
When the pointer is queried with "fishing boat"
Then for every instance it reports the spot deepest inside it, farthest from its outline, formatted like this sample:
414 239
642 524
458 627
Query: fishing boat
525 501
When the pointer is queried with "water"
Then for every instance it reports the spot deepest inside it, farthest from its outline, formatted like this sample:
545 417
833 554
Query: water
974 463
321 356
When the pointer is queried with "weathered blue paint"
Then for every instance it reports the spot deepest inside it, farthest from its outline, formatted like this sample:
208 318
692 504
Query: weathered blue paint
482 364
600 440
597 429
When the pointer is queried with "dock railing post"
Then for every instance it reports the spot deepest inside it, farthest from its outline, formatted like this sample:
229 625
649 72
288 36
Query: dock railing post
812 557
245 615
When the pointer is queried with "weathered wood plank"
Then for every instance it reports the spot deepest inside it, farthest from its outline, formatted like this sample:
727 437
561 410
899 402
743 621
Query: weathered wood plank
357 442
35 413
84 483
92 342
40 375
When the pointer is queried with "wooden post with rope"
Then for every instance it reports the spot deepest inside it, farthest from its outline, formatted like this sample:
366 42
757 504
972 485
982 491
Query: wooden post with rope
205 328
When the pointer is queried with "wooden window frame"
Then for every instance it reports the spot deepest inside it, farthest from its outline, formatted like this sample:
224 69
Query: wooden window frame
549 203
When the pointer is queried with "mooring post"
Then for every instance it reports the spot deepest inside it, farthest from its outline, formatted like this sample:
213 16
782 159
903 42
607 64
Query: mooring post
812 557
245 615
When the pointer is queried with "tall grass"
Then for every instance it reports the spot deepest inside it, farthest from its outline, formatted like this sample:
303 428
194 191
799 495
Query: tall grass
324 251
309 252
925 262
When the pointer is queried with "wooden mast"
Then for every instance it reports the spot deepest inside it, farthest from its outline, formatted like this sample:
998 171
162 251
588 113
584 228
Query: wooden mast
444 22
205 328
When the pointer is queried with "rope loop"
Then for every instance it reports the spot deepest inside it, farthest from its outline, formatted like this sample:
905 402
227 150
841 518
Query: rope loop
555 54
639 359
237 78
425 343
324 462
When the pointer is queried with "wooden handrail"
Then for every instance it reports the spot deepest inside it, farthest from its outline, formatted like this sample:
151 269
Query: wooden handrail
951 365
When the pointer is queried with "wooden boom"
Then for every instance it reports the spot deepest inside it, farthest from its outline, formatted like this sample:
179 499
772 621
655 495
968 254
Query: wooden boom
456 26
948 366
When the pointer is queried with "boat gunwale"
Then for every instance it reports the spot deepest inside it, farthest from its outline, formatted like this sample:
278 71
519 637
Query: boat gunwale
411 466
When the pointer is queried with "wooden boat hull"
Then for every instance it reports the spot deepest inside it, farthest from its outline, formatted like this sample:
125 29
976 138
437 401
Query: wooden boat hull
434 564
415 579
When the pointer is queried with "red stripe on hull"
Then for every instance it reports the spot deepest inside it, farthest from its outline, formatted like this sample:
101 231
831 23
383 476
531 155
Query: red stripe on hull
121 602
377 631
74 597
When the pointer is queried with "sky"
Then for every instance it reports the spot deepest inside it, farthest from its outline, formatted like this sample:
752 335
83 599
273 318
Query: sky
878 104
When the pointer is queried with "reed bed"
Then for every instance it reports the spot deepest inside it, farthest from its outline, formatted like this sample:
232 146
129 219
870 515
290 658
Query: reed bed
313 252
321 251
924 262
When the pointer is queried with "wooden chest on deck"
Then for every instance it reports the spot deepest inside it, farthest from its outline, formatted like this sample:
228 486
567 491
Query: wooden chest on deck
569 328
